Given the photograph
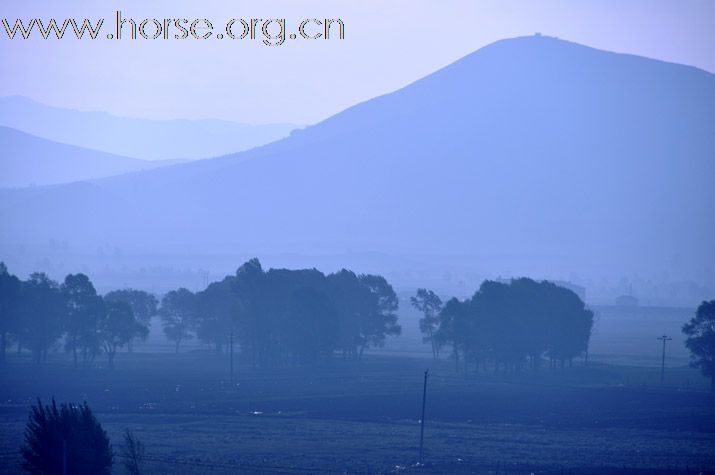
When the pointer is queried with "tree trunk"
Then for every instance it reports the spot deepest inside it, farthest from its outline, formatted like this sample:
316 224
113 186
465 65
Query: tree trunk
712 384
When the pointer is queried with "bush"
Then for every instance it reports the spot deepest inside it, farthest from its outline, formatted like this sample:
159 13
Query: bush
65 440
132 453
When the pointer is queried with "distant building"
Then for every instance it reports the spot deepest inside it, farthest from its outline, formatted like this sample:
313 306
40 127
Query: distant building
626 301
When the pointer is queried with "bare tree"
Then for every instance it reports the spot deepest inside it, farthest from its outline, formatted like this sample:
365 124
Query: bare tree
132 453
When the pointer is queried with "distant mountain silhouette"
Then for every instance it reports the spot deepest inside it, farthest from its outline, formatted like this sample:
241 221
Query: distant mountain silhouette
536 152
136 138
28 160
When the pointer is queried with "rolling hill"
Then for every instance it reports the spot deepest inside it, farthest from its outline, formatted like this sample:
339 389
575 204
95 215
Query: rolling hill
136 138
533 152
26 160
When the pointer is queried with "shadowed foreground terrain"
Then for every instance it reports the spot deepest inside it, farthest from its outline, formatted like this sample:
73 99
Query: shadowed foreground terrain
362 417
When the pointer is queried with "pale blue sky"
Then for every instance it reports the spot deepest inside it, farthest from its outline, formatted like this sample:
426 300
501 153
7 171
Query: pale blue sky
389 43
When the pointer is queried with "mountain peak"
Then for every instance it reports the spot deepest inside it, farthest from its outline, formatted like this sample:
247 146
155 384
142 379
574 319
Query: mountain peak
525 152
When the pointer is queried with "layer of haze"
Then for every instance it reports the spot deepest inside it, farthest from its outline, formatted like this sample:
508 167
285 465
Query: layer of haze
387 45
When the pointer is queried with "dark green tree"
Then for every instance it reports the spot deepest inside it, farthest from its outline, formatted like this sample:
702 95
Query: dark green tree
219 312
453 321
351 300
118 327
515 323
68 439
43 314
430 305
84 311
178 314
700 333
144 306
281 316
380 319
9 308
312 326
254 326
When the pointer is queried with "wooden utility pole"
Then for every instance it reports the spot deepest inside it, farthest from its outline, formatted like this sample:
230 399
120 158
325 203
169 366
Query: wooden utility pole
422 420
663 338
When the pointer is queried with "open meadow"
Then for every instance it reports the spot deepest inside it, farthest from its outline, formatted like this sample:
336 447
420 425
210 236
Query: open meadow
363 417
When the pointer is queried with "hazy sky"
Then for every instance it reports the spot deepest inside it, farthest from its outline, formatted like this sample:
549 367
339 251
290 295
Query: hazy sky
388 44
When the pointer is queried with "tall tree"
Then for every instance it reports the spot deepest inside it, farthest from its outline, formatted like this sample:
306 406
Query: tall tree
9 307
43 315
700 332
515 323
118 327
312 328
352 300
380 320
282 315
144 306
178 315
218 312
84 310
254 327
452 324
430 305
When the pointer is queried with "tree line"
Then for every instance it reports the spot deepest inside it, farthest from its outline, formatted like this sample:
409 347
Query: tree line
284 315
302 316
508 325
276 316
37 313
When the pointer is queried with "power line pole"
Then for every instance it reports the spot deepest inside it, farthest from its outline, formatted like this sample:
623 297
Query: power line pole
663 338
422 420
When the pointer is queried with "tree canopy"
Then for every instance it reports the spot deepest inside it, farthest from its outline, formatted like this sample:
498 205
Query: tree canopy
430 305
700 333
283 315
39 312
515 323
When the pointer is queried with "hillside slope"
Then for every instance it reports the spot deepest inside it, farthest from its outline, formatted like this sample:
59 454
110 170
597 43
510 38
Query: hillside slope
27 160
136 138
543 153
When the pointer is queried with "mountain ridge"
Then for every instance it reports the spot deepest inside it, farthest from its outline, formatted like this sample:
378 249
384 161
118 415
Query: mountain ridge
146 139
529 148
29 160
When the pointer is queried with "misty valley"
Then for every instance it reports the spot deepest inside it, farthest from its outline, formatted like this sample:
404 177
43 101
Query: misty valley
503 267
296 371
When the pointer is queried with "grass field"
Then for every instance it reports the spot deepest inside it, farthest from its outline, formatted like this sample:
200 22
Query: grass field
363 417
